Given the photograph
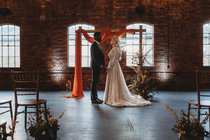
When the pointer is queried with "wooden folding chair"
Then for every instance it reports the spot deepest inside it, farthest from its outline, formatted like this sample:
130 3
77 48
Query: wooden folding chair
25 84
203 92
6 106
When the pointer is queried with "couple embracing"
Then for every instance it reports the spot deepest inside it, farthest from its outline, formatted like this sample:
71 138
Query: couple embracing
116 90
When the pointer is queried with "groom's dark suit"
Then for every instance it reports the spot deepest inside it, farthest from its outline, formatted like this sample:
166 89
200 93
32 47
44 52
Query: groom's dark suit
97 62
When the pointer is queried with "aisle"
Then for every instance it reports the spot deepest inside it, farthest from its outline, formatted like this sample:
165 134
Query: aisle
86 121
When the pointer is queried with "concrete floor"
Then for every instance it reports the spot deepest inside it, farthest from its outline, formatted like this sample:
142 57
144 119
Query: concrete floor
85 121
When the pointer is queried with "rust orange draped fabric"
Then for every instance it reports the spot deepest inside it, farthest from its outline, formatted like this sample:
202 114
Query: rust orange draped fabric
106 34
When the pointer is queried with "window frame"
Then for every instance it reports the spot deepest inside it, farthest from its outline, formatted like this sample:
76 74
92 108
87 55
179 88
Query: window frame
87 45
203 45
16 55
138 24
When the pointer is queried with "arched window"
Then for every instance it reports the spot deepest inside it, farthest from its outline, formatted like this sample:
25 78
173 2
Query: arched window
85 45
132 44
9 46
206 44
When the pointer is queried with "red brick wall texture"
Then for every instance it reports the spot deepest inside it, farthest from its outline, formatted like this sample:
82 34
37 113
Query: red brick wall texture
178 37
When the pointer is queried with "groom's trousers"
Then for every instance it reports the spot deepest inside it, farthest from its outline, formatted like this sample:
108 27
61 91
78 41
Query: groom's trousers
95 79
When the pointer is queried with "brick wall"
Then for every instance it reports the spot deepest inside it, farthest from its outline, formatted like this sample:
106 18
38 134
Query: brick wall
177 33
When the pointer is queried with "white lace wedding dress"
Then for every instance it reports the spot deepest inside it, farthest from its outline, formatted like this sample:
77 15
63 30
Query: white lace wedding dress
116 90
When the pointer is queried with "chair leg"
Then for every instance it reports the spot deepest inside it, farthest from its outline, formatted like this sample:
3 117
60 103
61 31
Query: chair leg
11 114
199 113
25 117
4 132
14 124
209 119
45 111
188 113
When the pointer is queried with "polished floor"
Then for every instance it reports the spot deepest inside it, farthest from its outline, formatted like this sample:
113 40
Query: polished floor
85 121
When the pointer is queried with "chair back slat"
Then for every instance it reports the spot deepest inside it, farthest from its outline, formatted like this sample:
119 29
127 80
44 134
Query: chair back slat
203 81
202 86
25 83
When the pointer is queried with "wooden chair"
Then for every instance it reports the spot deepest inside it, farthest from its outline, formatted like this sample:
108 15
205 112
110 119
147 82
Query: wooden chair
6 104
25 84
202 102
7 107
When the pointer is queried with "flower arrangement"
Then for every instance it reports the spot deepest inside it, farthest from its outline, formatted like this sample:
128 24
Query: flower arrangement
189 127
44 128
142 84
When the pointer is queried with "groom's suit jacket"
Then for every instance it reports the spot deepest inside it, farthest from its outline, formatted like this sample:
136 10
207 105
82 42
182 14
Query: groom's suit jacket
97 56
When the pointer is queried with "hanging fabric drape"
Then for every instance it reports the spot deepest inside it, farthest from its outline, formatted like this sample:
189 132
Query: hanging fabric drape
106 34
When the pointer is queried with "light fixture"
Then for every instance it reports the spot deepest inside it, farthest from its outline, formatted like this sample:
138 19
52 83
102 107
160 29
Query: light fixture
140 9
5 11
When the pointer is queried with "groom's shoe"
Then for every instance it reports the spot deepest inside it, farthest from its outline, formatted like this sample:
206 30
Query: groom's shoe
99 100
96 102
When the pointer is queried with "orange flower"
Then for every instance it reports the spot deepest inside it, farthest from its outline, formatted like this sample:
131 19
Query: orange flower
51 119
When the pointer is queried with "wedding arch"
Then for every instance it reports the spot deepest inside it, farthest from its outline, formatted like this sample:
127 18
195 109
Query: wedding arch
106 34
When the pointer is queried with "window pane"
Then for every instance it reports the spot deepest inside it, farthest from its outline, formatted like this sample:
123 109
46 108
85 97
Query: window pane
72 61
5 30
129 51
11 51
17 31
17 38
84 61
84 42
72 37
206 39
206 28
11 61
11 40
72 50
5 61
136 41
17 51
72 30
17 61
17 42
11 30
85 50
71 42
129 60
5 51
129 41
5 40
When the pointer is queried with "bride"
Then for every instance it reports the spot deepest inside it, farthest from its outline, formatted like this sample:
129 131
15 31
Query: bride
116 90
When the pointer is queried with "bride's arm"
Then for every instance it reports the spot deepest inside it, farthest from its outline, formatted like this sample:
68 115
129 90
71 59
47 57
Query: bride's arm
114 58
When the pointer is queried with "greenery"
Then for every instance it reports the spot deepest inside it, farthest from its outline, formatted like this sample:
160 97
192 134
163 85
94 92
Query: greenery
142 84
189 127
44 128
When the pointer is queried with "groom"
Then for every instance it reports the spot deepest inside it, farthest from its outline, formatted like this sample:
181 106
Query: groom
97 63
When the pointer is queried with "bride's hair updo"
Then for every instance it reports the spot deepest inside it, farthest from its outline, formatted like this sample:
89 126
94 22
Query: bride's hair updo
117 42
118 46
